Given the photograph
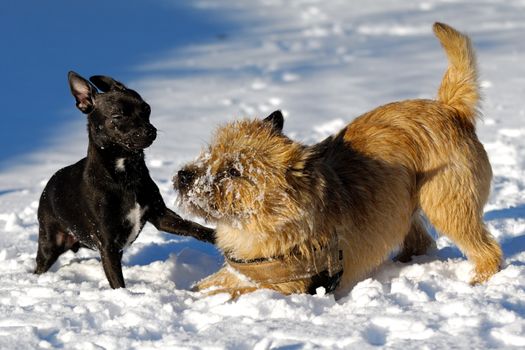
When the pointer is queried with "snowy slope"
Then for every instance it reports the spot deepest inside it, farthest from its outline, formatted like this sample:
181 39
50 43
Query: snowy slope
323 63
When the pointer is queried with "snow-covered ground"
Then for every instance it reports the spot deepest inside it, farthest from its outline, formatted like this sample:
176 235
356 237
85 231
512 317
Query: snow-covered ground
323 63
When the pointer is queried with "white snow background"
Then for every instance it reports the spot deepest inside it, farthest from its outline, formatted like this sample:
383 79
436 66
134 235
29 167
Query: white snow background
323 63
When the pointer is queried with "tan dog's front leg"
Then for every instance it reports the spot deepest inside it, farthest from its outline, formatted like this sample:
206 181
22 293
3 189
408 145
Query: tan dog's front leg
234 293
225 281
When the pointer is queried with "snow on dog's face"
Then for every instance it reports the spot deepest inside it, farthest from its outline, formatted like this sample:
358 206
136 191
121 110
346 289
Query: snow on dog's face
244 168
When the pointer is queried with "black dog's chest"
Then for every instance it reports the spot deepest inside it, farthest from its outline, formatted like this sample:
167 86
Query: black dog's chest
118 220
95 215
121 231
120 225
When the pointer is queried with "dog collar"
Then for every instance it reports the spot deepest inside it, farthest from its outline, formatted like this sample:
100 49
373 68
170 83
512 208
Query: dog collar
324 268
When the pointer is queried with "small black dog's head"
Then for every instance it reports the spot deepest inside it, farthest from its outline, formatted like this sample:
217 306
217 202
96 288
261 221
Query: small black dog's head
117 116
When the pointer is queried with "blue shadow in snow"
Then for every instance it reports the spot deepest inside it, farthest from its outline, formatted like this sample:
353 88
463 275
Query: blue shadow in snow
508 213
449 253
513 245
161 252
2 192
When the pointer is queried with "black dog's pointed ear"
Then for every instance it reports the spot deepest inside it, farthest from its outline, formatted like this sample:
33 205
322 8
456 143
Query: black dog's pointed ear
276 119
83 92
106 84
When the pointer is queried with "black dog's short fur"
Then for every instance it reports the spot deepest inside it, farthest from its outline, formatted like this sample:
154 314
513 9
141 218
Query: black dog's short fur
103 201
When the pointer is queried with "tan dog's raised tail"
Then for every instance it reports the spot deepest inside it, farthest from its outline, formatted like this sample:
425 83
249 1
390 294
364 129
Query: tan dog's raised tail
282 203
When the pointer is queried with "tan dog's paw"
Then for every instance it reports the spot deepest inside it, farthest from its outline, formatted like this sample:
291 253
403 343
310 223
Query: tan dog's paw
484 272
234 292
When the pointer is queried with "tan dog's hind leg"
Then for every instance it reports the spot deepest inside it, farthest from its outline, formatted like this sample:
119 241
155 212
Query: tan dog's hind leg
453 202
417 242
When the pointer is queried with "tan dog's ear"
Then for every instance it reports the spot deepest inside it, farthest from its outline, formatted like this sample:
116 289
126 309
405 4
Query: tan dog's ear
276 119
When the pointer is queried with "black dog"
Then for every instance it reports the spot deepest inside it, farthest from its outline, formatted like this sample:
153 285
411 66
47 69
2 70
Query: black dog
103 201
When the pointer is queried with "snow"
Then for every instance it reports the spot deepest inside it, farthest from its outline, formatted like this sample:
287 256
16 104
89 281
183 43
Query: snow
323 63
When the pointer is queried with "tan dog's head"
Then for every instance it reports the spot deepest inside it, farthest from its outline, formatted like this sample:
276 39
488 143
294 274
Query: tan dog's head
242 176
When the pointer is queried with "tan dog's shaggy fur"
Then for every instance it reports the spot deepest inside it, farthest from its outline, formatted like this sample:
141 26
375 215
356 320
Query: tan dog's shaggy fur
273 197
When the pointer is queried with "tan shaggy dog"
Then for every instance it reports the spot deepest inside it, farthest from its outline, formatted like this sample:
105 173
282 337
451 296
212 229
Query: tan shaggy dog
285 211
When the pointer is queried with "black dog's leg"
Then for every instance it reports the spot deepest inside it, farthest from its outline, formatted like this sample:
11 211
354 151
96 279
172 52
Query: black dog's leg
172 223
111 261
51 244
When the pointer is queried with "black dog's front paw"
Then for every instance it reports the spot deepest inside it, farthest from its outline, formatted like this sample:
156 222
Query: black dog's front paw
206 234
173 223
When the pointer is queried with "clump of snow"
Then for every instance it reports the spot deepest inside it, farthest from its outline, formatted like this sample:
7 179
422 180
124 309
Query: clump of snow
325 63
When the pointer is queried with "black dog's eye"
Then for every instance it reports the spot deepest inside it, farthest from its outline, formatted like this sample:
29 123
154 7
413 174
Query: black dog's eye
234 172
117 117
